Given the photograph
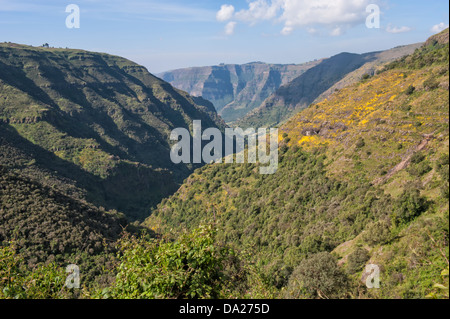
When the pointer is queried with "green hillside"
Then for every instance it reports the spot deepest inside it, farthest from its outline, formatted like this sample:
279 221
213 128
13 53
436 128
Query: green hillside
102 120
318 83
363 178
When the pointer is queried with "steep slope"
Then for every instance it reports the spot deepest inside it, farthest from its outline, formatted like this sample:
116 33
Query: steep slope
363 178
104 120
235 90
318 83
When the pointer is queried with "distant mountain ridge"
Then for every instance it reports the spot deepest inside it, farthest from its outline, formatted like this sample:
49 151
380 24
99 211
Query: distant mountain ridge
318 83
235 89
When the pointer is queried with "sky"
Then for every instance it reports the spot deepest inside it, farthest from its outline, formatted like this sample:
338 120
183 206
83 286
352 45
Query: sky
164 35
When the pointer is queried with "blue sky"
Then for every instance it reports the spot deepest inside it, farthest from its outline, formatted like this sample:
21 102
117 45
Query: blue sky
168 34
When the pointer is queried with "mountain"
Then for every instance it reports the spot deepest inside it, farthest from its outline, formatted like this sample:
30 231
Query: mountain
234 89
95 124
319 82
362 179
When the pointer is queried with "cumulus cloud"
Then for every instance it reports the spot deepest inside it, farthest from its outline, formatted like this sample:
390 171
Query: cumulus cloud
324 12
229 28
392 29
335 15
259 10
225 13
439 27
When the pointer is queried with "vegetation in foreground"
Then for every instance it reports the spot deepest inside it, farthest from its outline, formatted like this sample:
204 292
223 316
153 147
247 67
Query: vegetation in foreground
363 178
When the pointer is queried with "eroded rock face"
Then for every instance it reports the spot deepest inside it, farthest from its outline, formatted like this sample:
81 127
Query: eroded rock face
235 90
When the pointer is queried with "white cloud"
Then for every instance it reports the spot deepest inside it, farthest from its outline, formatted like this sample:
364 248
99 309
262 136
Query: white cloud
229 28
336 32
259 10
287 30
334 15
225 13
403 29
439 27
324 12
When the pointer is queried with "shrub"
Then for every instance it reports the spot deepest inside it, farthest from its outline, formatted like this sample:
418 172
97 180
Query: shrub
191 267
377 233
19 282
360 143
317 276
417 158
357 260
410 90
420 169
409 206
431 84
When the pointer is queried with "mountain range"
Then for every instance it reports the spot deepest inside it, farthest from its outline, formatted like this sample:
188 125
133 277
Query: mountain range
235 89
260 94
363 178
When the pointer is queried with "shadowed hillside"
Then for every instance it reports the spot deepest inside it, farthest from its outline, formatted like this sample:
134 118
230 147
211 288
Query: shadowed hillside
101 114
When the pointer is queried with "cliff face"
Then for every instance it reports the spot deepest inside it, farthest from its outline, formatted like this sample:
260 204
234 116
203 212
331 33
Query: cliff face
235 90
318 83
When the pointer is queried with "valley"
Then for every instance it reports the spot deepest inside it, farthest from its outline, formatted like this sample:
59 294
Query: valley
86 177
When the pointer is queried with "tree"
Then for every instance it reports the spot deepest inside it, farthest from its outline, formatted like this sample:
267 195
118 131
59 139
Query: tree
191 267
318 277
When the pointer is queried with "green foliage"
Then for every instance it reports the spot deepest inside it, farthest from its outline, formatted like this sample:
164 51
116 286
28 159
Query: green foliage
357 260
70 144
442 167
50 227
409 206
318 277
191 267
431 84
377 233
432 53
441 290
18 282
104 120
410 90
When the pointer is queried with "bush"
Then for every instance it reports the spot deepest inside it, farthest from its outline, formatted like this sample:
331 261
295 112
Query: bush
19 282
360 143
377 233
417 158
357 260
431 84
410 90
318 277
409 206
191 267
420 169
